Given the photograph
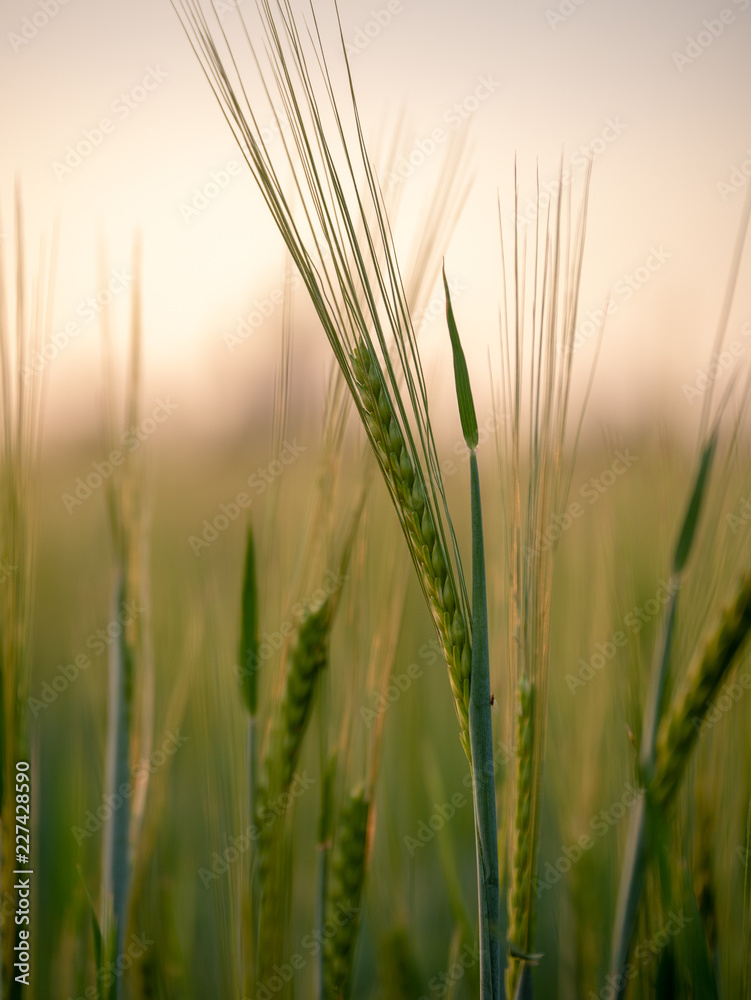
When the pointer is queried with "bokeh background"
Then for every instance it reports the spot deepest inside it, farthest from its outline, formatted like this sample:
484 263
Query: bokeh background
665 179
659 94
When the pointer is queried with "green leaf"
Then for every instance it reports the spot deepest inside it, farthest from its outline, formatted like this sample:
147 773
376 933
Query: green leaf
100 947
691 518
483 772
461 377
249 629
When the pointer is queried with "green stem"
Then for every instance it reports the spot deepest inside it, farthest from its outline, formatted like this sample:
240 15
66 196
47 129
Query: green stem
483 777
116 860
629 894
634 869
254 887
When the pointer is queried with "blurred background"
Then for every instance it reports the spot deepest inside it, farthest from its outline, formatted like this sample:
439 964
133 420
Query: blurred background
669 133
111 130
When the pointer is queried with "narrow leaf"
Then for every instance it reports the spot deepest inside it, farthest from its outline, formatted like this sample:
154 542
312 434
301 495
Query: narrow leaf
691 518
96 929
461 377
249 629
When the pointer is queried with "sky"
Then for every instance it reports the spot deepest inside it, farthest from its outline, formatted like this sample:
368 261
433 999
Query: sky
112 129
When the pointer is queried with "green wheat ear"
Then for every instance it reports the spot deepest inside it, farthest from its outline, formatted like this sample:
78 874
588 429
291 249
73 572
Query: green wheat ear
680 727
345 898
426 544
307 660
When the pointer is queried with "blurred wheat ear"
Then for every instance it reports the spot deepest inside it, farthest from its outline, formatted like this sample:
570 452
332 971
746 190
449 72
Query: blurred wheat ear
537 364
26 309
670 731
130 707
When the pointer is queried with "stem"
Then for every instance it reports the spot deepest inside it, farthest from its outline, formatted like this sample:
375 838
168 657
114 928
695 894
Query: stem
116 859
629 894
634 868
322 874
252 806
483 777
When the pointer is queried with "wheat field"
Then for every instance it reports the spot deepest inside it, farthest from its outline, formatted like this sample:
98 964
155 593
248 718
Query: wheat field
399 650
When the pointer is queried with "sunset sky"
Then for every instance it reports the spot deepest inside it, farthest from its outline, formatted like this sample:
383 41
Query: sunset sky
661 94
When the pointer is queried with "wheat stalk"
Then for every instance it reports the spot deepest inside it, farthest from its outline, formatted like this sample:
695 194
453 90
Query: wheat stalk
307 660
344 251
537 348
520 928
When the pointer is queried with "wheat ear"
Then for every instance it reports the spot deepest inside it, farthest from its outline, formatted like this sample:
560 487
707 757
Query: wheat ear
681 725
426 544
348 869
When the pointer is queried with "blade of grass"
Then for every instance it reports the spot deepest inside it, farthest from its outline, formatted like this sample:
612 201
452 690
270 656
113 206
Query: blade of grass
249 688
480 715
635 862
